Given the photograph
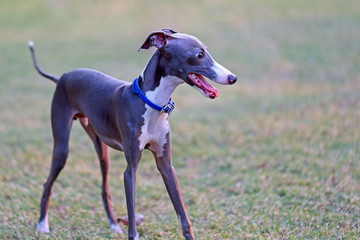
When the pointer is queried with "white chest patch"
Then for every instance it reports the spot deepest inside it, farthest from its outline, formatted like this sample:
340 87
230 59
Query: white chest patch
156 125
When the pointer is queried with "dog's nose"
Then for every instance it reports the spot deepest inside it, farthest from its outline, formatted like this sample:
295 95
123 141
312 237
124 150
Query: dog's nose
232 79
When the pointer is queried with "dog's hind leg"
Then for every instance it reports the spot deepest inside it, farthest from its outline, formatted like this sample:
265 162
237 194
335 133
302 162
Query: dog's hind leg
102 152
61 119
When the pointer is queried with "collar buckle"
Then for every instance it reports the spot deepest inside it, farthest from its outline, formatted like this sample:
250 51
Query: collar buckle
168 108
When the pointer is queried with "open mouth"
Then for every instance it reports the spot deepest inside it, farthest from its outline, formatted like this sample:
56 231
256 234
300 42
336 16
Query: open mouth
202 85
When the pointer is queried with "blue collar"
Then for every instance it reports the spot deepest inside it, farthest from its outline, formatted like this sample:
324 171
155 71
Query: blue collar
167 108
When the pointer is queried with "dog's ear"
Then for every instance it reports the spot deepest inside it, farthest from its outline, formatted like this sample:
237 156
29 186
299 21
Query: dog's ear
157 39
168 31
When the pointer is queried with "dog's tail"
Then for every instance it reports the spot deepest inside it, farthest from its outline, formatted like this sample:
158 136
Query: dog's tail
49 76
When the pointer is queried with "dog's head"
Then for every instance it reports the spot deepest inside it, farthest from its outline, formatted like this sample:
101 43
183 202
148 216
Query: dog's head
187 58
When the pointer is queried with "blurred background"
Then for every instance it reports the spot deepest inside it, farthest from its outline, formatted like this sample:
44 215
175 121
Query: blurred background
276 156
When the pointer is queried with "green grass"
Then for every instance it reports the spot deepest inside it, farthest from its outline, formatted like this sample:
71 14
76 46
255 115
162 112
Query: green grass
276 156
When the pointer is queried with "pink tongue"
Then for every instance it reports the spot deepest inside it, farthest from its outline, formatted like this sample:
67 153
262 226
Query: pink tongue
210 91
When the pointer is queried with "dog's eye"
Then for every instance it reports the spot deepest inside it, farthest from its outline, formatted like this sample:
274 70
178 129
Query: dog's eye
200 55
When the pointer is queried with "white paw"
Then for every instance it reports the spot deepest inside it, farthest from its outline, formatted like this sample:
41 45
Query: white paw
116 229
43 226
139 218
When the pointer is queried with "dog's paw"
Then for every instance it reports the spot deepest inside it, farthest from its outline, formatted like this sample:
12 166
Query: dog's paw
116 229
43 227
139 218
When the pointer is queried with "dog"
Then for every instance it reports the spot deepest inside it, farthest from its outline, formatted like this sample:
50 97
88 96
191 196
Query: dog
130 116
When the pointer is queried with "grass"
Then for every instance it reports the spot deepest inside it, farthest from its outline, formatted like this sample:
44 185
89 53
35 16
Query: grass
276 156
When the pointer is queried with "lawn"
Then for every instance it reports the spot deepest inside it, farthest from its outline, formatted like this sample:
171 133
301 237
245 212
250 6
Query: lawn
276 156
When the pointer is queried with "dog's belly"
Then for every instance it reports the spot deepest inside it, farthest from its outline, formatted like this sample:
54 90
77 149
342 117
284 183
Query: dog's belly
113 143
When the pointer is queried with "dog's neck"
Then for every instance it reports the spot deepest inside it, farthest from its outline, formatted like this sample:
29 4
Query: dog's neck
155 84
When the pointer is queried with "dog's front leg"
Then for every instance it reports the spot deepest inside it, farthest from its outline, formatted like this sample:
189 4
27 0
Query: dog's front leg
133 156
165 167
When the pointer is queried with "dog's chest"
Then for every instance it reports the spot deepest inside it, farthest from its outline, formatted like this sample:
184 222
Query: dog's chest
154 131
